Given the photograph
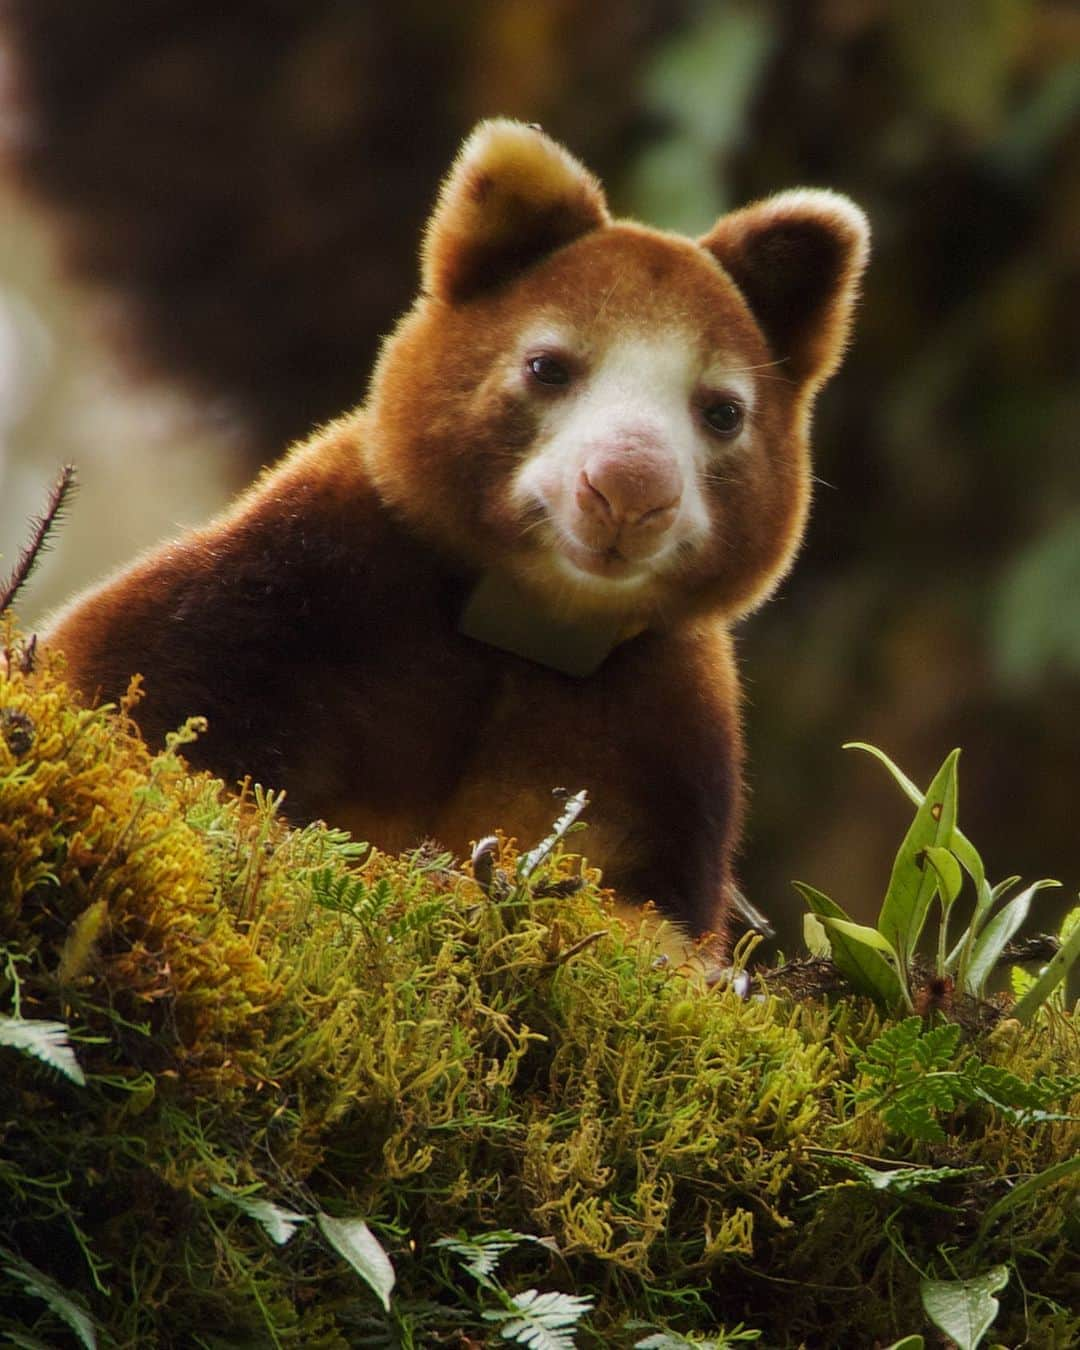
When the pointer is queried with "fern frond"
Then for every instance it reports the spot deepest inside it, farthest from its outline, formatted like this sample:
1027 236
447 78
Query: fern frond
543 1321
47 1041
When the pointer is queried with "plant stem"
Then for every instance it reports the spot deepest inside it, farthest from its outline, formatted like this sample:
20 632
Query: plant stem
41 527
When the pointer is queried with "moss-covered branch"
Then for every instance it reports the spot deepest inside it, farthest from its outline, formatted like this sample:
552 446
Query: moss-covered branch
270 1015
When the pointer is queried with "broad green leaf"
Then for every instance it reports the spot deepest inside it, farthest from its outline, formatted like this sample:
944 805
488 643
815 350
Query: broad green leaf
950 878
960 956
913 793
815 936
913 884
908 1343
994 894
42 1286
961 845
861 932
1019 1194
987 950
949 881
863 967
354 1240
47 1041
1049 978
964 1309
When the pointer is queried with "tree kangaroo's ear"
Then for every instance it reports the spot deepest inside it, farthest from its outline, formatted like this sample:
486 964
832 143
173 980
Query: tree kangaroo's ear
511 196
797 258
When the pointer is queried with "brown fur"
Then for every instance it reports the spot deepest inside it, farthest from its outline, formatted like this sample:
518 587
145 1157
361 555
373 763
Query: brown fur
315 624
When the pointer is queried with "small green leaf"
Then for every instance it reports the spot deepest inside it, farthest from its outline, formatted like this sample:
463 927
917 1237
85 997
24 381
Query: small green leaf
912 884
671 1340
47 1041
964 1309
862 966
908 1343
935 1048
481 1254
280 1224
914 1119
1014 1097
529 862
815 936
418 917
899 1180
987 950
354 1240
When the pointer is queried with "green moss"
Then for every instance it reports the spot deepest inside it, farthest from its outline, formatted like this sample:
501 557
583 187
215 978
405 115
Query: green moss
283 1014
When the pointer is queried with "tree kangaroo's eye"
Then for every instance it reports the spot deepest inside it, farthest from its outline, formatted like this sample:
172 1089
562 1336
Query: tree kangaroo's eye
725 417
547 370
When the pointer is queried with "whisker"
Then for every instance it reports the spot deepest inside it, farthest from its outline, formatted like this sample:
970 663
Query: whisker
604 302
778 379
532 521
762 365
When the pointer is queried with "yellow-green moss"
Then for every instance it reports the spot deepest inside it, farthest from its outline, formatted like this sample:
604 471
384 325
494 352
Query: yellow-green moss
260 1007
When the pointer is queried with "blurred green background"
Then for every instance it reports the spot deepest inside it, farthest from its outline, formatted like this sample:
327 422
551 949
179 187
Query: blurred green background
210 214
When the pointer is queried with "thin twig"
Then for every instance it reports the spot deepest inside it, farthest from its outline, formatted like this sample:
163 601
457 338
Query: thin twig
41 526
579 946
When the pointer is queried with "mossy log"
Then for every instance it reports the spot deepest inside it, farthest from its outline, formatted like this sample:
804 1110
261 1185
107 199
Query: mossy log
262 1013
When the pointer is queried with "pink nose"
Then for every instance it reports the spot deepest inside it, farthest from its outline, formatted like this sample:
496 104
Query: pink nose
634 487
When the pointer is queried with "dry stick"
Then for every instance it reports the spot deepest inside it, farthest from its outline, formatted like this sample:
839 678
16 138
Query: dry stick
41 527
